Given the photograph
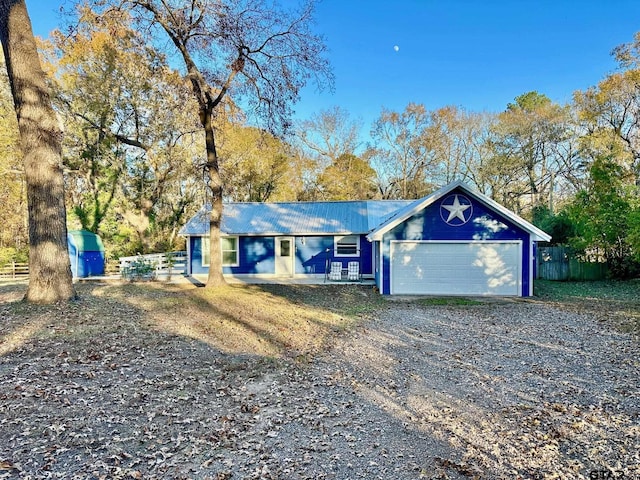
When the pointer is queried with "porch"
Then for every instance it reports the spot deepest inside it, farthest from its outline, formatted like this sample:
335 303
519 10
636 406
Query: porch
297 280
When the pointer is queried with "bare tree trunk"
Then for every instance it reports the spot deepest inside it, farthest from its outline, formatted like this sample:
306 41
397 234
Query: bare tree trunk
40 139
215 277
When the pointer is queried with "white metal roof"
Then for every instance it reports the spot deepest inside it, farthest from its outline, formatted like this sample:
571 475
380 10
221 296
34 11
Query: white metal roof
372 217
297 218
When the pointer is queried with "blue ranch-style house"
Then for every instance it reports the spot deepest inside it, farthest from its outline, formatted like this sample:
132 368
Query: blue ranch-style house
455 241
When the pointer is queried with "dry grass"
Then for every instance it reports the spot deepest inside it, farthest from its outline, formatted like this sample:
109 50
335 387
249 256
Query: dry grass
99 387
617 302
268 321
237 319
172 381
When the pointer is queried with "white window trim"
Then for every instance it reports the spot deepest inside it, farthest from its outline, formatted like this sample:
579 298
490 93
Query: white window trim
237 250
236 264
335 246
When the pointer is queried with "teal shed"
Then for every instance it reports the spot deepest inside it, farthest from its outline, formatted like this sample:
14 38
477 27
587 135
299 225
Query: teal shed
86 252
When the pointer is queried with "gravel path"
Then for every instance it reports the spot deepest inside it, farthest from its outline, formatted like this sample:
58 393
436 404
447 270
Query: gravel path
499 390
513 390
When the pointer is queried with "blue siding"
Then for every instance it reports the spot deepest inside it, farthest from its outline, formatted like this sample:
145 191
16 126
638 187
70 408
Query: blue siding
257 255
312 255
376 261
485 224
86 264
86 254
366 256
195 244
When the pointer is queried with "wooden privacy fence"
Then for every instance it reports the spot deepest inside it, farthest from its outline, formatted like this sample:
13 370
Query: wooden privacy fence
15 270
559 263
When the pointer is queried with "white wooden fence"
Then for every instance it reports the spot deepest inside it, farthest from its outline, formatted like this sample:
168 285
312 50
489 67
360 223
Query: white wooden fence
153 264
138 266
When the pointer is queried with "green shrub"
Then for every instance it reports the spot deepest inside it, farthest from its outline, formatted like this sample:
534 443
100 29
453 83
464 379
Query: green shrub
140 268
12 254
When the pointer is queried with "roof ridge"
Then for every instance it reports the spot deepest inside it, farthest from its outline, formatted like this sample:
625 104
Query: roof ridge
382 200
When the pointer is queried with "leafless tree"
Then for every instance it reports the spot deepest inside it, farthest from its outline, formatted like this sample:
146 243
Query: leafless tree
259 53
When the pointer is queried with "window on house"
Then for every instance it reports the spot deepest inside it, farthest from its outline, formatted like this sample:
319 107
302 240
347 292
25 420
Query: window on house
285 248
229 251
229 247
206 246
347 246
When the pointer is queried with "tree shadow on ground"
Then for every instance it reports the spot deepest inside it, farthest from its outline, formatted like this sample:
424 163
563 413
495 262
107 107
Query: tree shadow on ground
241 319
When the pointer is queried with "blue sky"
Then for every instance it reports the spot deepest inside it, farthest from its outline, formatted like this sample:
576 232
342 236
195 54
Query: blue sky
476 54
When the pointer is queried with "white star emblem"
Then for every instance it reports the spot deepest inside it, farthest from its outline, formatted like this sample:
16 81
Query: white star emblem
456 211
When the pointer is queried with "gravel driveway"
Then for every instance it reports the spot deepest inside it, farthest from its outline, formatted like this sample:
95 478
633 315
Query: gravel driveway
498 390
503 390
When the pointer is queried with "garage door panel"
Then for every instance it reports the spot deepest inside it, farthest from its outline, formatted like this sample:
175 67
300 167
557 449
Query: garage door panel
479 268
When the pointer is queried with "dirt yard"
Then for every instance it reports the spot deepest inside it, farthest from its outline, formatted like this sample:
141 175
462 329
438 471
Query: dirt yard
335 383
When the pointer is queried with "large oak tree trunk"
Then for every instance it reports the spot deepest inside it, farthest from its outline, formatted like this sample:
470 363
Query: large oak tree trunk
40 140
215 277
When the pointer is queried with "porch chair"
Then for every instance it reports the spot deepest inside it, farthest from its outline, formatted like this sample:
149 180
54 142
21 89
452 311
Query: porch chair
336 271
353 271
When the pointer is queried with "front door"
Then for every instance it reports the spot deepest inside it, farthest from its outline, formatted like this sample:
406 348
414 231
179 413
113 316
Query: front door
285 254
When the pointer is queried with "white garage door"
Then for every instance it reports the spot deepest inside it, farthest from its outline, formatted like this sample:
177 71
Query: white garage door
456 268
